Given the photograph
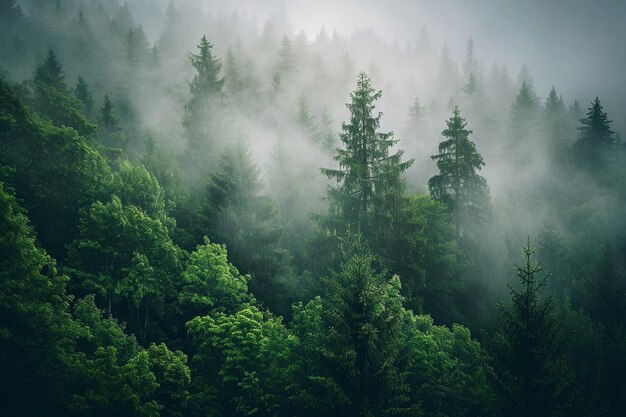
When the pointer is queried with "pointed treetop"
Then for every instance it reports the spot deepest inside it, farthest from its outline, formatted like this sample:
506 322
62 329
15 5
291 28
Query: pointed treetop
51 72
596 127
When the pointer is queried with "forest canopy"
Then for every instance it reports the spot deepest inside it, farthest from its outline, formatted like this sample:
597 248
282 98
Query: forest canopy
211 210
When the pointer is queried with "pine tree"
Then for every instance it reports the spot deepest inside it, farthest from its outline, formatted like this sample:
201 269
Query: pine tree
417 112
50 72
369 187
287 57
458 184
305 119
205 87
531 369
524 112
595 129
239 216
556 125
111 132
82 92
470 65
596 140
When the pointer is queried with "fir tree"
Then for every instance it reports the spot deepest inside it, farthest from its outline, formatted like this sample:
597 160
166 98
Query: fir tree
82 92
595 138
524 115
205 87
469 64
458 184
531 369
111 132
369 187
50 72
417 112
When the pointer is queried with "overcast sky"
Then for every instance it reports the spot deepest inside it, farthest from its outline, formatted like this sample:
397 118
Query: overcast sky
579 46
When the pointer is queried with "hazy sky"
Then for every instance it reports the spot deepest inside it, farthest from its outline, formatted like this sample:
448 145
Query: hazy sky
577 45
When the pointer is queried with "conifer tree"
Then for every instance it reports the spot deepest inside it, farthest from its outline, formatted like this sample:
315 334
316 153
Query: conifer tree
531 369
458 184
417 112
205 87
469 64
50 72
524 112
369 189
110 125
556 125
82 92
595 138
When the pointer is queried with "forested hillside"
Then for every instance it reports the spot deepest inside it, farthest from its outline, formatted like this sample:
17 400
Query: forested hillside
206 213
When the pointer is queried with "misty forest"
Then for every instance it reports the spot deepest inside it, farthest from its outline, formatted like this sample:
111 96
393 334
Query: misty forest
342 209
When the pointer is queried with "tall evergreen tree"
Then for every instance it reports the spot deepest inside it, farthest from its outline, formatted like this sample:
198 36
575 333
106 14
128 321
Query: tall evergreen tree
369 191
82 92
50 72
205 86
594 138
524 112
531 369
470 65
458 184
243 219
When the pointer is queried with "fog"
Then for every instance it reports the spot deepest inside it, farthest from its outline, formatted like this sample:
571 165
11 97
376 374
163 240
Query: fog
408 48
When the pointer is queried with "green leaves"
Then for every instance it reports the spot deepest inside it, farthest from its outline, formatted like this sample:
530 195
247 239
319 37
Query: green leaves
240 362
210 283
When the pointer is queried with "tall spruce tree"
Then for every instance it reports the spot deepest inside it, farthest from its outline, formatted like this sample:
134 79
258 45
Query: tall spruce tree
369 190
524 112
50 72
594 138
458 184
205 86
532 372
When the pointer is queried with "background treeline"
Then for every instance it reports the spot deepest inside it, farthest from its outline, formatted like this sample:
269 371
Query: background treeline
169 246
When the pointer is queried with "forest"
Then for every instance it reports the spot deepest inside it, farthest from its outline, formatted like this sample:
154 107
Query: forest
219 209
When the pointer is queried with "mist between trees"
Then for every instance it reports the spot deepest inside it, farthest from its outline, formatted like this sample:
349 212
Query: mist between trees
207 210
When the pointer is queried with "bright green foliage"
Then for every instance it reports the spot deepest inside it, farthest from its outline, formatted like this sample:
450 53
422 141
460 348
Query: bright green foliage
239 367
128 260
458 183
135 186
446 370
369 191
532 371
359 352
211 283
